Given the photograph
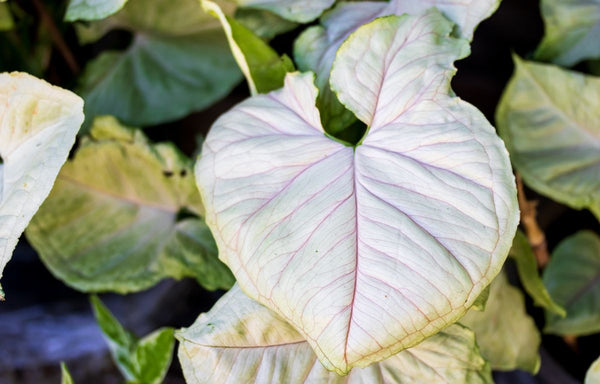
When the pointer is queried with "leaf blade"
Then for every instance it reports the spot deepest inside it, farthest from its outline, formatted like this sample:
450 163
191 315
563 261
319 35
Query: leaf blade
279 211
523 255
497 326
572 278
241 341
37 122
108 226
551 136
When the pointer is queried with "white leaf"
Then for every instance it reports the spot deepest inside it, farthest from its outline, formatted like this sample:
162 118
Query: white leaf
367 250
38 124
315 48
240 341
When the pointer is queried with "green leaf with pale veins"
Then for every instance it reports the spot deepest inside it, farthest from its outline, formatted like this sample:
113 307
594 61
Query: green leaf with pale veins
38 124
111 222
145 360
263 67
573 279
178 62
549 120
526 263
92 9
506 335
240 341
66 375
571 31
593 374
301 11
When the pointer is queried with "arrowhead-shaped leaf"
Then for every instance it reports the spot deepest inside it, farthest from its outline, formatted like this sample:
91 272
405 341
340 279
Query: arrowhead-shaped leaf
571 31
240 341
497 327
38 124
553 137
316 47
111 221
573 279
366 250
143 361
177 62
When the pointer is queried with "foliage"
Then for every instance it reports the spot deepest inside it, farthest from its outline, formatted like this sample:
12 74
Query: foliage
240 340
112 221
143 361
358 211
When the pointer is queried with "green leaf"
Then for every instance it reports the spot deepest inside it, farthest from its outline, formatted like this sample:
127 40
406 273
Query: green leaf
523 255
481 301
263 23
240 341
571 31
153 355
6 20
92 9
593 374
549 120
145 361
301 11
506 335
573 279
262 66
38 124
66 376
178 62
111 221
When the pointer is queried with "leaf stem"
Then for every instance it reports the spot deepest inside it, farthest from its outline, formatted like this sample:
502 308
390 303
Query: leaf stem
56 37
534 233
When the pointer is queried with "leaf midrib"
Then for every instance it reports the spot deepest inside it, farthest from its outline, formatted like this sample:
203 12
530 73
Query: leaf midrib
124 199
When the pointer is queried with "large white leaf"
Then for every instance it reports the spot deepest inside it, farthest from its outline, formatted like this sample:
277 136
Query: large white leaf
366 250
38 124
240 341
316 47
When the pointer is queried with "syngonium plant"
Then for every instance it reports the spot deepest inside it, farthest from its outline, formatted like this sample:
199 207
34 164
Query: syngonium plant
357 252
368 248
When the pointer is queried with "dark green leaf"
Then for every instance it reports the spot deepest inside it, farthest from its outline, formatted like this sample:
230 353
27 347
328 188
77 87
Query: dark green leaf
573 279
523 255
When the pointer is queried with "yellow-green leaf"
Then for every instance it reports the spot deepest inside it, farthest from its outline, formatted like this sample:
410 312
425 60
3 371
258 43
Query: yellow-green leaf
114 218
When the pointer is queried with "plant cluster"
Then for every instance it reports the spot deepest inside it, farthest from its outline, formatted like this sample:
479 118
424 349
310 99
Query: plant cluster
357 211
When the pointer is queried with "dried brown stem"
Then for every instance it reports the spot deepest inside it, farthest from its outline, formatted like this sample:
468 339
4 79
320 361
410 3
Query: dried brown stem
56 37
534 233
571 341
